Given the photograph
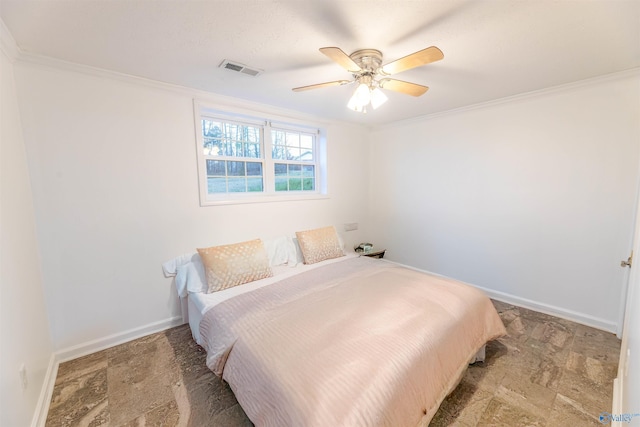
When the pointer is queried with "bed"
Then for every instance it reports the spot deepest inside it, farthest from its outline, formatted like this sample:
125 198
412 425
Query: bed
345 341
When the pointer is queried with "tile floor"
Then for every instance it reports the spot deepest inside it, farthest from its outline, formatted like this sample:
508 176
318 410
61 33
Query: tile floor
546 372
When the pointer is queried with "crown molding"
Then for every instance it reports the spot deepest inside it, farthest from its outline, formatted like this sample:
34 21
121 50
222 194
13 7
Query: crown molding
25 57
7 43
619 75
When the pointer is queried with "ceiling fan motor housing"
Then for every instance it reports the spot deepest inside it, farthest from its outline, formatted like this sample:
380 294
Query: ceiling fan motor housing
369 61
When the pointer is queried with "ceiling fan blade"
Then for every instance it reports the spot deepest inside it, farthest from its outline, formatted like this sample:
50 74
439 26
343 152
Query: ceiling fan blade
403 87
416 59
319 85
337 55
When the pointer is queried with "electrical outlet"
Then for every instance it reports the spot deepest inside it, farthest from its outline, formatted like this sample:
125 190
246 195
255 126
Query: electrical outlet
23 376
351 226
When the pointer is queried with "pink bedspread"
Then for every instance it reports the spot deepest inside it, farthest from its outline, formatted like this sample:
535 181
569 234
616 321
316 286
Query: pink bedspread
360 342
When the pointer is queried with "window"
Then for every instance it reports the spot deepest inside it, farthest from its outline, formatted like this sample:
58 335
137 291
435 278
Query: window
244 159
233 157
293 156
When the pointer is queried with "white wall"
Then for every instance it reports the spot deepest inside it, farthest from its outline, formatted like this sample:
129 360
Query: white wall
532 198
115 186
24 330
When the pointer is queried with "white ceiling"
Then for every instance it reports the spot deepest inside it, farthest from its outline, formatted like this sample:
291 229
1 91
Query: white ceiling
492 49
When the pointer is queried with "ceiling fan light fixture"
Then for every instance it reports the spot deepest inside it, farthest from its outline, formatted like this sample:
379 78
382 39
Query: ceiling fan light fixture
378 98
365 95
360 98
354 105
362 94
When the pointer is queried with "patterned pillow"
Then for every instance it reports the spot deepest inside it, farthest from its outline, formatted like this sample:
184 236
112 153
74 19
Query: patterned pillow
232 265
319 244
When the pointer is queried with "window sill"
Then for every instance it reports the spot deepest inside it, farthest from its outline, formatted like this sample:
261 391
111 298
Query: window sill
263 199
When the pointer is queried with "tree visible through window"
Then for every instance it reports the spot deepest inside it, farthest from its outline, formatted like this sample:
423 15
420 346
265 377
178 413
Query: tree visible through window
224 144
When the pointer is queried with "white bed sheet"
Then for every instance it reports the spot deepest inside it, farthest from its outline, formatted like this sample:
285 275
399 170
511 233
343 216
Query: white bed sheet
199 303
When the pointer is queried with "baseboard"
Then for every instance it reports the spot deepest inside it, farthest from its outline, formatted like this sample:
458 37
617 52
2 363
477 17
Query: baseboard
42 408
120 338
563 313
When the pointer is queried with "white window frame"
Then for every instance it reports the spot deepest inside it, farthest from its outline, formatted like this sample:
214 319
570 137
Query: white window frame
266 122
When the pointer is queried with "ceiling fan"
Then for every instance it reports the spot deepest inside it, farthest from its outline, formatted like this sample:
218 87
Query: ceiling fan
366 67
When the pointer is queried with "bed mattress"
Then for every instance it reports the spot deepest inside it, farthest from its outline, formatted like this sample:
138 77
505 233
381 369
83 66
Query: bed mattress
356 342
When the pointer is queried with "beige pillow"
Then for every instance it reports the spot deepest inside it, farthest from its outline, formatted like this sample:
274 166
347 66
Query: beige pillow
232 265
319 244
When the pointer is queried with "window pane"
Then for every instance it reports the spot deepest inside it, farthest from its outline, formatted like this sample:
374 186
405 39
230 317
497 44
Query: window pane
279 152
216 167
239 149
237 185
254 169
211 132
224 149
294 177
231 176
293 139
278 137
253 134
306 141
231 139
293 153
282 184
306 155
308 184
235 169
295 170
254 184
212 146
216 185
295 184
230 131
252 150
280 169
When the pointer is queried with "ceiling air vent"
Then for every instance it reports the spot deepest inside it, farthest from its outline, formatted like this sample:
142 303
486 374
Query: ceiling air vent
240 68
